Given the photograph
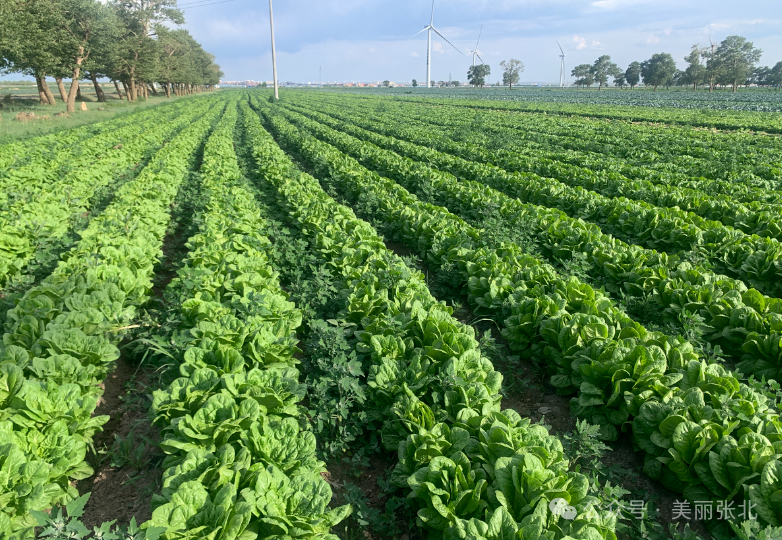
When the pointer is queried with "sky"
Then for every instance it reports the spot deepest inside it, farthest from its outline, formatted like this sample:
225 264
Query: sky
373 40
369 40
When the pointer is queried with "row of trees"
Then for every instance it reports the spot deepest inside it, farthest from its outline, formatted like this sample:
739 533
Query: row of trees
731 63
131 42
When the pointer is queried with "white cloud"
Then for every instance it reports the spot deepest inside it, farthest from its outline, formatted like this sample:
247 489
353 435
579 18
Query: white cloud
596 45
580 42
652 39
414 54
437 47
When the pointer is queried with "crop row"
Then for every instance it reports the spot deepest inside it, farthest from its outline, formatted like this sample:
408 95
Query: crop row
749 258
472 468
238 462
727 120
736 157
757 218
748 177
61 338
742 321
703 432
44 213
57 149
756 99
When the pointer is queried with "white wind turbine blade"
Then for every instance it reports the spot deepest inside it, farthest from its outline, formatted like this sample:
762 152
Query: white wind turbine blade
448 42
422 31
479 57
560 48
431 19
479 38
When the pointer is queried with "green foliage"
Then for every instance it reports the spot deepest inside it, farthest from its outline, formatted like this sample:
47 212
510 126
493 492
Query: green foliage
658 70
476 75
337 387
64 524
619 370
584 447
62 336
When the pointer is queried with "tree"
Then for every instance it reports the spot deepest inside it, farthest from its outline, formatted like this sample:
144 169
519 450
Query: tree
476 75
415 83
759 76
510 71
456 83
775 77
125 40
431 83
386 84
633 74
658 70
695 73
76 27
713 64
737 56
602 69
26 42
583 75
136 54
619 79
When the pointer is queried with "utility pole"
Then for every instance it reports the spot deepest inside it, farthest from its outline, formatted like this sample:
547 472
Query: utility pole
274 53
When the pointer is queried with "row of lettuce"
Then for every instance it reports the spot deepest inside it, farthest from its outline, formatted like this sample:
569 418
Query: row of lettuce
752 259
749 213
704 433
475 470
737 158
727 120
661 158
38 149
61 338
742 321
59 147
41 200
239 463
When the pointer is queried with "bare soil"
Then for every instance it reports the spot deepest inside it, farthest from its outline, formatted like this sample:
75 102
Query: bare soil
121 493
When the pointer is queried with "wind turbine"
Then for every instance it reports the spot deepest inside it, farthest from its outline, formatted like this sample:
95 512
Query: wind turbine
562 68
475 52
428 29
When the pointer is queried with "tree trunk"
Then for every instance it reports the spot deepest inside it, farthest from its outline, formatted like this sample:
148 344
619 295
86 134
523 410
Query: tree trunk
167 89
61 88
46 91
152 87
127 90
78 94
71 107
133 89
41 94
116 86
98 90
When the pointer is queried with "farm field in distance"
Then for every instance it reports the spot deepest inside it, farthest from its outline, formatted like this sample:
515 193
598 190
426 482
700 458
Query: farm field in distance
395 313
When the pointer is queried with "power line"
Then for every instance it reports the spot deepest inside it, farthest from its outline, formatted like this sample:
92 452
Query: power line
202 5
193 2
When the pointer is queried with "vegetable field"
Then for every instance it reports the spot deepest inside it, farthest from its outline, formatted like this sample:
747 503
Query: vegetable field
341 315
